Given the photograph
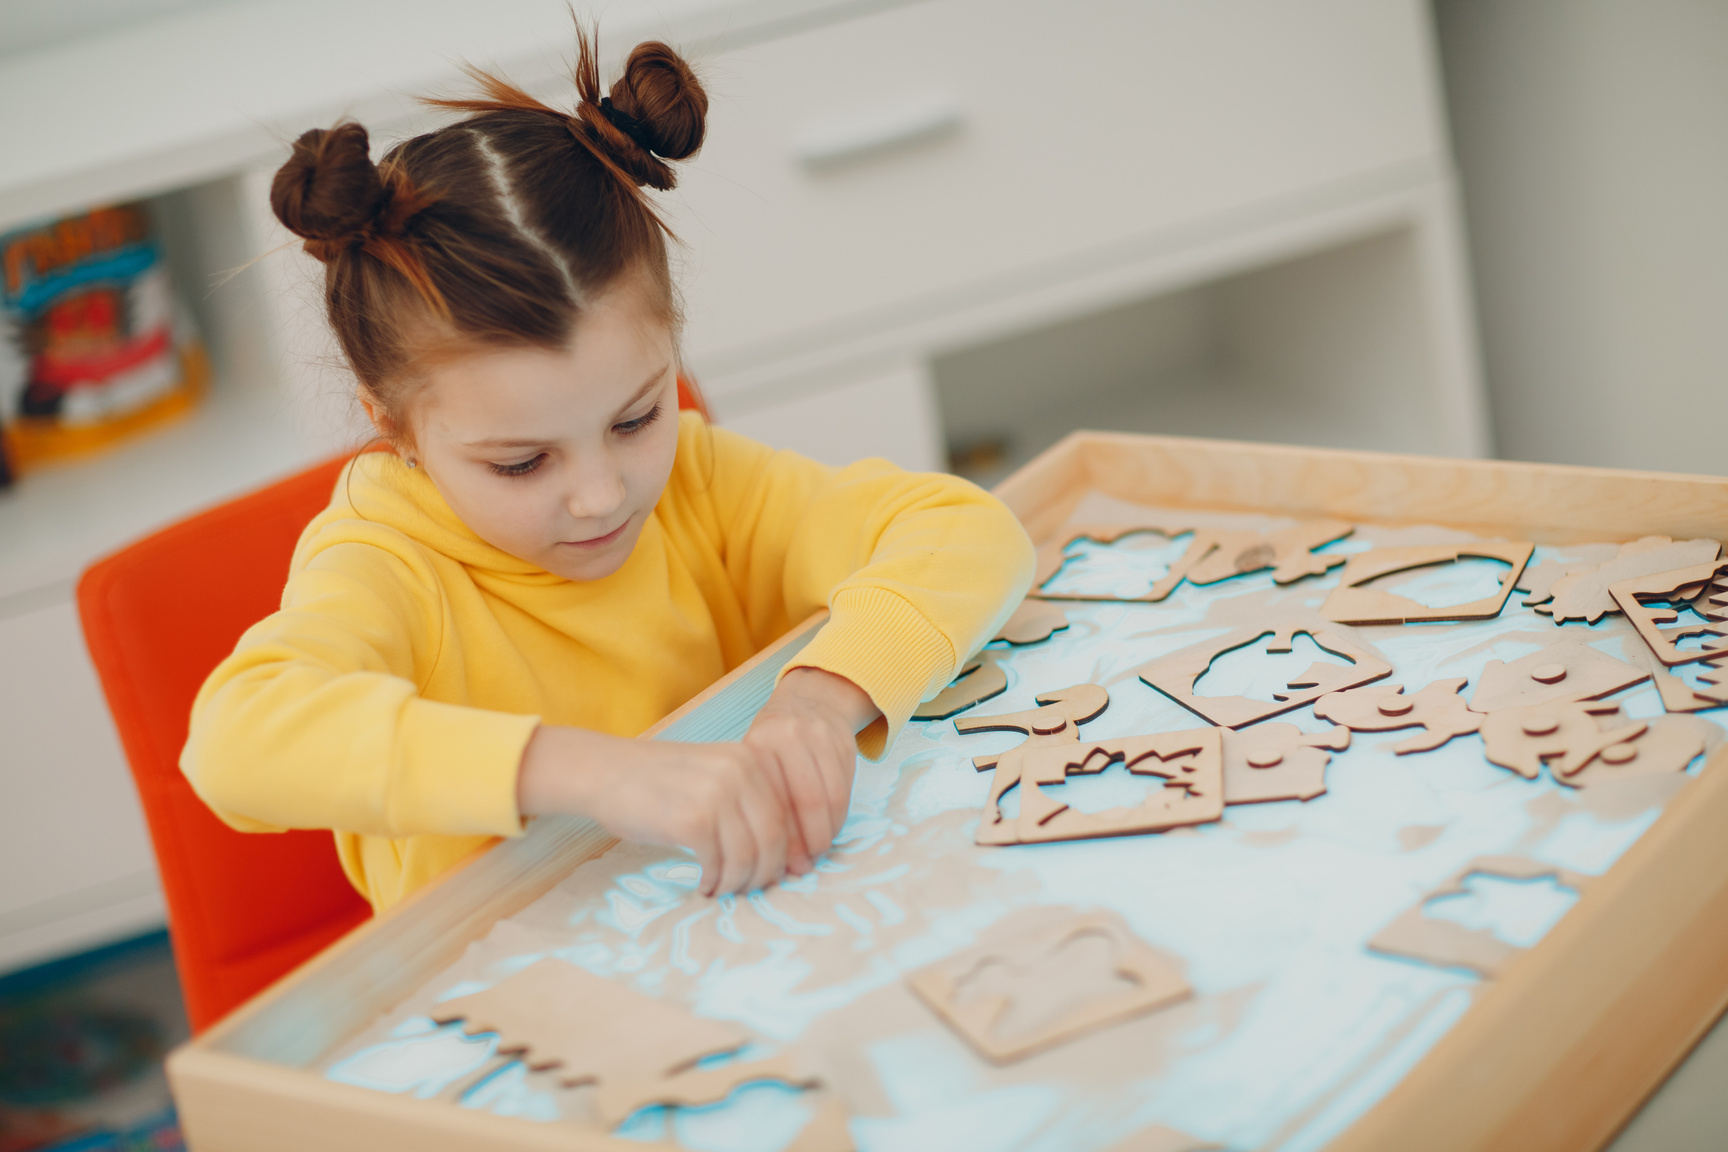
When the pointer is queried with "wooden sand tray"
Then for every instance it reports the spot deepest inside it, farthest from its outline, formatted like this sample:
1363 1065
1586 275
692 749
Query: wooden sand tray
1555 1053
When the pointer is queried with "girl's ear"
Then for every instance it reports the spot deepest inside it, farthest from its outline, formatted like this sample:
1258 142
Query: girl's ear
381 422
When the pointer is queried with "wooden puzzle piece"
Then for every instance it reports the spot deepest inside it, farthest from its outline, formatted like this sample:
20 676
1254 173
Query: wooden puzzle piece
1176 675
1213 554
827 1130
1669 745
1565 670
980 678
1056 722
1585 595
1033 621
1159 1138
1289 552
1648 602
558 1016
1539 579
1415 935
1278 762
1352 603
1026 991
1438 710
1190 762
1563 733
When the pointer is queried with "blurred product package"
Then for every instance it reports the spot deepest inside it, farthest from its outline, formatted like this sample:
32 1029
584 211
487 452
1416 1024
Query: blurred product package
94 346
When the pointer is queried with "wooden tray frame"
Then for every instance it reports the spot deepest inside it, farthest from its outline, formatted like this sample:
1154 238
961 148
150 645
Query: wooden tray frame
1556 1054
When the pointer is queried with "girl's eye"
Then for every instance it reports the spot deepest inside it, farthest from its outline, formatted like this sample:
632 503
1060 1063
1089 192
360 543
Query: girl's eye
631 427
521 469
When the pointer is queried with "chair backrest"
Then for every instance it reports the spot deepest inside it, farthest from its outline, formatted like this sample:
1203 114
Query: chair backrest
159 615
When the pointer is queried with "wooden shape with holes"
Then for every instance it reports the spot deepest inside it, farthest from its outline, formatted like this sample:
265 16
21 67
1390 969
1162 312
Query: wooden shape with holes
1056 721
1191 764
1352 603
1026 991
1033 621
1437 710
1176 675
1212 555
1649 603
1415 935
588 1028
1565 670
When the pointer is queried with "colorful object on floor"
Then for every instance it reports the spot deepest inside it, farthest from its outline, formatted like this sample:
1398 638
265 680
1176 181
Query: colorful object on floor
96 348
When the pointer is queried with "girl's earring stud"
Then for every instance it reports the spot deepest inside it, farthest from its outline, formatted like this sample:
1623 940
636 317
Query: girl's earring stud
413 463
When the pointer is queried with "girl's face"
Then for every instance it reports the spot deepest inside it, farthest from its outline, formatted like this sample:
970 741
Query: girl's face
557 457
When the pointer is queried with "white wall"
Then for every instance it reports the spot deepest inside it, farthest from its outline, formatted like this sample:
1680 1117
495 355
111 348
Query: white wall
1592 139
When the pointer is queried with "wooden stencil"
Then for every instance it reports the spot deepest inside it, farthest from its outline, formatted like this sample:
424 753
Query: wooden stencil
1565 670
1191 763
1667 746
1563 733
1026 991
1056 722
1212 555
1584 595
980 678
1033 621
558 1016
1648 603
1679 696
827 1130
1352 603
1438 710
1415 935
1176 674
1278 762
1539 579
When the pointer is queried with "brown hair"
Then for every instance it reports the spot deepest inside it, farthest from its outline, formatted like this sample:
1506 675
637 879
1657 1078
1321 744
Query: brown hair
497 230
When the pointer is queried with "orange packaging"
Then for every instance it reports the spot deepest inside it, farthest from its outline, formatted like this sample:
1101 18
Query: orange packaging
96 347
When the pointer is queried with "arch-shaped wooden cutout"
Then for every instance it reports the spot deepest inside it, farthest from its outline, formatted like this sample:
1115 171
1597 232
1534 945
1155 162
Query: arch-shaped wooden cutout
1647 602
1190 762
1148 981
1176 674
1415 935
1437 709
980 678
1212 555
1033 621
1351 603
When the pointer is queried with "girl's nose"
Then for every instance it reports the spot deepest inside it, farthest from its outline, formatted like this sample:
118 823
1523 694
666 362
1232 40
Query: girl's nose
597 493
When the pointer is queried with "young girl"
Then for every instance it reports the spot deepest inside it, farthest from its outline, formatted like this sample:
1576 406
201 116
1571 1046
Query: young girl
553 558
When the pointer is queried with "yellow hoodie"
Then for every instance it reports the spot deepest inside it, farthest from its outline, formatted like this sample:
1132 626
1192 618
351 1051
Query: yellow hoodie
392 696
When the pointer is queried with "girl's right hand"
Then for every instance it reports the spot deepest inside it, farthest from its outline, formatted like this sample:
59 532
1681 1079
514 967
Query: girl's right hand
715 799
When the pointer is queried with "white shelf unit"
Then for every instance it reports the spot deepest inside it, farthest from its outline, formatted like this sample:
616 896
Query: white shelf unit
915 222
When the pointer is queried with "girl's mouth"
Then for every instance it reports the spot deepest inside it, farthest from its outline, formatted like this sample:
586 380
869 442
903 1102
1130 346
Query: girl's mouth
599 541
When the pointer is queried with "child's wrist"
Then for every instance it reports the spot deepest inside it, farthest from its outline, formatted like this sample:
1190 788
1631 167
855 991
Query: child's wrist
833 692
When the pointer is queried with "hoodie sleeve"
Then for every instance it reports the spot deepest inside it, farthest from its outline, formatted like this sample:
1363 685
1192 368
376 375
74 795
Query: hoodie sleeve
316 720
918 569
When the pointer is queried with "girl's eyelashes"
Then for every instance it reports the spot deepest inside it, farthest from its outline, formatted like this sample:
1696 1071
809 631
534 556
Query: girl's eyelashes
519 469
631 427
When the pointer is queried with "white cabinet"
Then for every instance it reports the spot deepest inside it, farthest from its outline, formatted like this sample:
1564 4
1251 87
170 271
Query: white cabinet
915 223
75 862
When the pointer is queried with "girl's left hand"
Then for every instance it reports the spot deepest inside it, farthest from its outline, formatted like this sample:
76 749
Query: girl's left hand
803 738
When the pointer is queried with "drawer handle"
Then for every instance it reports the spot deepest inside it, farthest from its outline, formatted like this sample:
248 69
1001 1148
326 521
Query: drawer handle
845 141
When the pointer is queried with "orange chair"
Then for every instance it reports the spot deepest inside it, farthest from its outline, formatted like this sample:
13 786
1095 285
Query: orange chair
159 615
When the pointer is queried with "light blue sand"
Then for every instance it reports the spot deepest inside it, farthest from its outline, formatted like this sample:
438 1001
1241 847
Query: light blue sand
1295 1029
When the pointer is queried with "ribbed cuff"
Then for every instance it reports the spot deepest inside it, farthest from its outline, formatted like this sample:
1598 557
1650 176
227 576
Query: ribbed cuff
458 768
888 648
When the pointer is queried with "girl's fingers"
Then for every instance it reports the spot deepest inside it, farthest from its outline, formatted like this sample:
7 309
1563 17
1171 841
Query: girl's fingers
810 806
761 809
737 849
799 856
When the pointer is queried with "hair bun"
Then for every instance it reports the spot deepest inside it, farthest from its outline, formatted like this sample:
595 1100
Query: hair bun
665 109
329 189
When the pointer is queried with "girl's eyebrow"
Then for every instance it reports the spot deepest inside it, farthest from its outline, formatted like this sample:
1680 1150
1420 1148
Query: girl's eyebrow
647 387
